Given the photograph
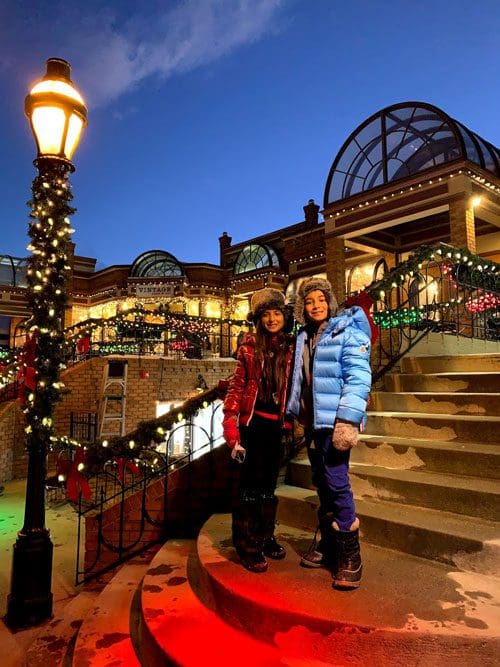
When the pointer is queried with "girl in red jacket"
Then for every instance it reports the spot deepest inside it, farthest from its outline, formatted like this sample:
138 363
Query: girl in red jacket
254 411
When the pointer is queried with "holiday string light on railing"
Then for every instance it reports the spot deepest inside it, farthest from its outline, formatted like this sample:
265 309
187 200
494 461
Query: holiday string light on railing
483 302
179 324
142 445
397 317
440 254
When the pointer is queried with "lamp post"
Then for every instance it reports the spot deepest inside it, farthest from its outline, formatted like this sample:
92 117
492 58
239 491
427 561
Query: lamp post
57 115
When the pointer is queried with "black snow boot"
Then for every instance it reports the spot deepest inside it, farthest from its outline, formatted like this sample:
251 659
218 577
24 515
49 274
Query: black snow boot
322 553
246 539
348 568
271 548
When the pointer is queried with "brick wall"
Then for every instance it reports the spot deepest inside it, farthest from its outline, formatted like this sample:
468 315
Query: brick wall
167 380
11 439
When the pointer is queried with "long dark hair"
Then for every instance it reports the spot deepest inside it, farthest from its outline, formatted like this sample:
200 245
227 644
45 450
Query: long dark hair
272 350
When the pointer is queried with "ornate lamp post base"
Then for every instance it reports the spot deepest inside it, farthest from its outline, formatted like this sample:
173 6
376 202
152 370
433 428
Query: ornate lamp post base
30 600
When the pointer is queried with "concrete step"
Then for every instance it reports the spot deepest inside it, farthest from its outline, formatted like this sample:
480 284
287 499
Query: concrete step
469 544
463 428
54 643
452 493
178 629
408 611
437 402
457 458
105 637
446 363
446 381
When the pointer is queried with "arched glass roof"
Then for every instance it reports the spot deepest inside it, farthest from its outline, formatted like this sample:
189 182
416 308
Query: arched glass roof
13 271
255 256
156 264
400 141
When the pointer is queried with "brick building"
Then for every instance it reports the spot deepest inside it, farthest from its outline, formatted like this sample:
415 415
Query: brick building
409 175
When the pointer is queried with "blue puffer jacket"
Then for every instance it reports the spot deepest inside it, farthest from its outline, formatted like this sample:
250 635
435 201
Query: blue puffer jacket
341 376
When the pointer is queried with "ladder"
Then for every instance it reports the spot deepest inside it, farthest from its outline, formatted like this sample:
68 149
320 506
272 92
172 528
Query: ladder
114 394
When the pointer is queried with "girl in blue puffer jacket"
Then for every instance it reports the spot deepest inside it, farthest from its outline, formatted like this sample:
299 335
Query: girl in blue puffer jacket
330 386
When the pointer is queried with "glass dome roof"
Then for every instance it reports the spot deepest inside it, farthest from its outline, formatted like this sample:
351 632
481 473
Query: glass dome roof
255 256
156 264
400 141
13 271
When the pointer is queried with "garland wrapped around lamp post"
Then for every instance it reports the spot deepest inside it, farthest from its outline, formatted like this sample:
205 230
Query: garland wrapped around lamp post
57 116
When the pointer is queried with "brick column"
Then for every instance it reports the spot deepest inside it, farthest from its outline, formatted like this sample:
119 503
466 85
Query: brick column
335 266
462 227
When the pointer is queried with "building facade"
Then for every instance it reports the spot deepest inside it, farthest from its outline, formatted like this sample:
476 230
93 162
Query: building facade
409 175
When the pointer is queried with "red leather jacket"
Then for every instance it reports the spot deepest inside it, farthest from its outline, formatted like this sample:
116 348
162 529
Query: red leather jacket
243 389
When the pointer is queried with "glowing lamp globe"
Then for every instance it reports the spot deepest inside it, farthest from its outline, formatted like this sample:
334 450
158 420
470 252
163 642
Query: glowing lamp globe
56 111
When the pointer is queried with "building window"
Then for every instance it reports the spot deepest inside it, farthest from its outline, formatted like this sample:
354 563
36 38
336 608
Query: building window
254 257
156 264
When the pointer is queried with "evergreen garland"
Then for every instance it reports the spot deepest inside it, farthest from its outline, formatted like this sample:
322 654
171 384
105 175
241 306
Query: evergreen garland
47 275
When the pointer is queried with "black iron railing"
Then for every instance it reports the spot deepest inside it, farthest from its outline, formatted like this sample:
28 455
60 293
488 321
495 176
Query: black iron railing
120 478
438 289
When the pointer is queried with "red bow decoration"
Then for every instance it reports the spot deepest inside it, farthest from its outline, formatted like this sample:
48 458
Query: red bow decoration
83 344
76 482
124 465
26 374
363 301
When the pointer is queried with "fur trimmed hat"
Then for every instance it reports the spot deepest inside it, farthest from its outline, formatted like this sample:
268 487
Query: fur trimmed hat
311 285
265 299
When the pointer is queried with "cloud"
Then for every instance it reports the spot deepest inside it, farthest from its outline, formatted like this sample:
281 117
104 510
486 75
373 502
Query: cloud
112 57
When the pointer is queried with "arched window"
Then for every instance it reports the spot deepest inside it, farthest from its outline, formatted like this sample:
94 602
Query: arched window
254 257
400 141
156 264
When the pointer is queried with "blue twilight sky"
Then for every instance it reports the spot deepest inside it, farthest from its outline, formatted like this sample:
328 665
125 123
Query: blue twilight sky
225 115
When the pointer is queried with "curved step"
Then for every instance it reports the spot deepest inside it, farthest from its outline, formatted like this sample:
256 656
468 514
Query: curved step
408 611
104 637
179 629
53 645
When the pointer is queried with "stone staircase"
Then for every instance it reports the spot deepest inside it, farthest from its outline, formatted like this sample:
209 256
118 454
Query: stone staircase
426 471
426 482
194 604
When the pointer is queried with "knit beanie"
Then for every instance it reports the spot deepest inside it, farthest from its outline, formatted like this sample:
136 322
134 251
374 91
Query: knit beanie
265 299
310 285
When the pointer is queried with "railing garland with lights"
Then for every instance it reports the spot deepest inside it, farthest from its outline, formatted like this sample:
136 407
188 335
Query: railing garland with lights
438 288
105 474
136 332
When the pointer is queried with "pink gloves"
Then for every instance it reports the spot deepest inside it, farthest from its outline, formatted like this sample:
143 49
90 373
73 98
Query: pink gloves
345 435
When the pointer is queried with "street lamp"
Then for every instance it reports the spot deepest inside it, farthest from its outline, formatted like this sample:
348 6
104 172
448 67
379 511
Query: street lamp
57 115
